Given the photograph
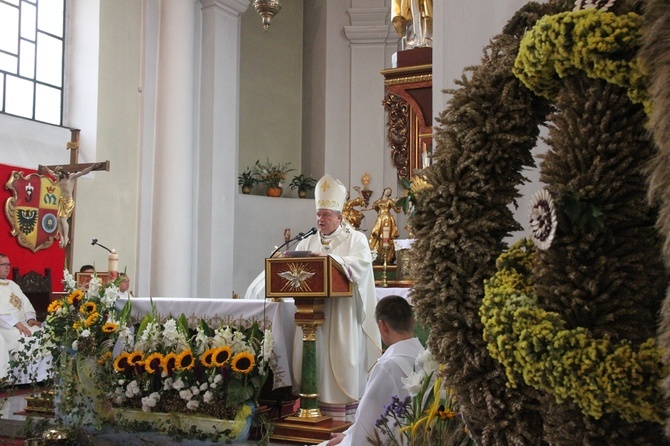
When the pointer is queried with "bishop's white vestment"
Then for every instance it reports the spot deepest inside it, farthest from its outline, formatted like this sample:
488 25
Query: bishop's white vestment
348 343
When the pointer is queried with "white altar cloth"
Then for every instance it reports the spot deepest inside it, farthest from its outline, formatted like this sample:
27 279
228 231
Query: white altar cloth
277 316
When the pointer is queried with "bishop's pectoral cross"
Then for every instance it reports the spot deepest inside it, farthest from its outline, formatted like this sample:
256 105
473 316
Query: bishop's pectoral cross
66 176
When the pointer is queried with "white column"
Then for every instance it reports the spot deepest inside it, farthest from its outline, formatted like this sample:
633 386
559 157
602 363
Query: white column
218 155
172 199
368 35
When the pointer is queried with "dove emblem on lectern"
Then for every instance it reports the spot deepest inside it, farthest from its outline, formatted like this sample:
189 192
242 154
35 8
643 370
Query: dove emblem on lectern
295 277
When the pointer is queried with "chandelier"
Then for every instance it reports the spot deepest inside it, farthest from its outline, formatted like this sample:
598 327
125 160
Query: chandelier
267 9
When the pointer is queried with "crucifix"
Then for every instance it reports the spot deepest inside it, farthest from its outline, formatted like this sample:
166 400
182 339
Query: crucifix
66 176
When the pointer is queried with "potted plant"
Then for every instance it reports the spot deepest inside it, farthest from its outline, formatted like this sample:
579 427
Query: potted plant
246 180
303 183
273 175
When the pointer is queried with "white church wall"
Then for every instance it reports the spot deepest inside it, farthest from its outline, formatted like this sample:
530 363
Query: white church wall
271 70
260 228
461 31
106 106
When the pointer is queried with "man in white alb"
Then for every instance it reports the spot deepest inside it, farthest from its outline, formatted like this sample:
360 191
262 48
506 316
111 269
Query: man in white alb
348 342
17 316
396 325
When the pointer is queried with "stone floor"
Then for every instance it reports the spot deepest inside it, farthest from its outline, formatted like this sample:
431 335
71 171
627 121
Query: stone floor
11 423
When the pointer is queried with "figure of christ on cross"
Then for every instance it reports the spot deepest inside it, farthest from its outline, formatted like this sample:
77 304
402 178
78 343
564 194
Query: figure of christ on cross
67 182
66 176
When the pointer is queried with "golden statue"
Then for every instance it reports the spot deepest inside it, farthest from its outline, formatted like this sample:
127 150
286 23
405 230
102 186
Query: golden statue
354 216
413 21
385 219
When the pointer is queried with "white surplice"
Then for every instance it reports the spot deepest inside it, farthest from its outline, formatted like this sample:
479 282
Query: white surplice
396 363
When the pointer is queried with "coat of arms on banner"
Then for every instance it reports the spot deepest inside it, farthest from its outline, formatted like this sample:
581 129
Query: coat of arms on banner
32 210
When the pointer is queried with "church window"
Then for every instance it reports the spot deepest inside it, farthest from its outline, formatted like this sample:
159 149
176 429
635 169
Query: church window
32 49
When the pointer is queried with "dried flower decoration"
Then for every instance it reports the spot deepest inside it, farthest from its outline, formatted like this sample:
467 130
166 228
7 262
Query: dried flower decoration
542 219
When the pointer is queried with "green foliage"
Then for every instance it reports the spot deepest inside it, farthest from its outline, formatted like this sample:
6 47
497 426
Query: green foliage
405 203
599 375
598 43
581 213
247 178
302 182
272 174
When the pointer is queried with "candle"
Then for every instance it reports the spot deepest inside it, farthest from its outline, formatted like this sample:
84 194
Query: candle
113 262
385 237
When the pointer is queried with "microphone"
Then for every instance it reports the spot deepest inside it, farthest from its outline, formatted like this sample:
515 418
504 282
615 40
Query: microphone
300 236
95 242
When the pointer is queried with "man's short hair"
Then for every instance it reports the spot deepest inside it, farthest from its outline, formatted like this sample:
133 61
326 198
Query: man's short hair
396 312
86 268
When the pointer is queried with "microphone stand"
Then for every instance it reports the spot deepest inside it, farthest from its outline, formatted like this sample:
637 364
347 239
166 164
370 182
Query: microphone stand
298 237
95 242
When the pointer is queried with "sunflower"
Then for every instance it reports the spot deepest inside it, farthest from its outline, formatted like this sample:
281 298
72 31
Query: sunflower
122 361
55 306
221 356
153 363
88 308
243 362
185 360
74 297
206 357
169 362
110 327
103 358
76 325
92 319
135 357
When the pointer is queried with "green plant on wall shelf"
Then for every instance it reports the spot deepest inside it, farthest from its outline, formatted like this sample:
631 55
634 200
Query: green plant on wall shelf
303 184
247 180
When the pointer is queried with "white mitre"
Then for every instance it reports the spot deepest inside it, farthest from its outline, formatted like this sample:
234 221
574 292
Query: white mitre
330 194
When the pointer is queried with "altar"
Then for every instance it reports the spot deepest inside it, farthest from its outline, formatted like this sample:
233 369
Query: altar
277 316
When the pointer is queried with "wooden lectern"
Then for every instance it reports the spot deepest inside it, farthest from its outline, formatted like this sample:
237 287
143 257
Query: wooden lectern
308 280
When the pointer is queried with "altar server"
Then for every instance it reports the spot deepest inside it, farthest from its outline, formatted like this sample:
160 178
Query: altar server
396 325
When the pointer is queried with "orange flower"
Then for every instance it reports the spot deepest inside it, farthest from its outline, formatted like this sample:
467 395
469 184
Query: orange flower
54 306
110 327
206 357
243 362
92 319
135 357
221 356
169 362
88 308
153 363
74 297
185 360
122 361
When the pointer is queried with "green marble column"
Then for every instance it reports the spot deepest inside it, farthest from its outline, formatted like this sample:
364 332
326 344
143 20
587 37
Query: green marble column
309 392
308 386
